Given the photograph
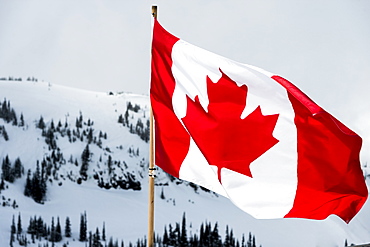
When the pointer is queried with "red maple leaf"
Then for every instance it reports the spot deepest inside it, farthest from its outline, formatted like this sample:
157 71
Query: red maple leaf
226 140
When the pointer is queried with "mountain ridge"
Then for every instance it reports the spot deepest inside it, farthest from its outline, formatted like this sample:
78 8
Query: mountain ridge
101 112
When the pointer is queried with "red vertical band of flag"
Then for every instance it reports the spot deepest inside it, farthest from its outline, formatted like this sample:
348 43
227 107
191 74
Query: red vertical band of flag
167 127
329 174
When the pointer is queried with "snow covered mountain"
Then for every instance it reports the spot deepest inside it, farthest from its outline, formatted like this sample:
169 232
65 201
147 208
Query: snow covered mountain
92 149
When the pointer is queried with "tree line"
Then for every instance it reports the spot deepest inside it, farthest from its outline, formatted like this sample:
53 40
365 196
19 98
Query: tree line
177 235
12 78
8 114
48 167
140 129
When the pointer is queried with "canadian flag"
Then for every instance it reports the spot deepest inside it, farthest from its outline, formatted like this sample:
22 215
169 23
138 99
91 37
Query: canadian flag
250 135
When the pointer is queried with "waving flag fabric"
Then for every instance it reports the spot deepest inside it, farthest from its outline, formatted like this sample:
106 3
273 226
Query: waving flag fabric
250 135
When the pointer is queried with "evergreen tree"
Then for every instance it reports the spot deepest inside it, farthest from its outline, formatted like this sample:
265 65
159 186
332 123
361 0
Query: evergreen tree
68 231
49 138
38 191
171 236
207 234
52 126
162 195
36 181
243 241
139 127
90 136
85 158
41 230
165 237
18 168
103 237
19 225
79 121
131 129
13 117
4 133
90 239
14 205
21 120
110 243
129 106
31 230
97 233
136 108
183 235
31 227
58 231
227 242
232 239
215 237
41 123
5 111
120 119
52 231
83 228
110 164
13 229
59 126
12 233
194 241
22 240
6 169
2 183
12 239
201 235
249 242
126 117
28 188
176 235
96 239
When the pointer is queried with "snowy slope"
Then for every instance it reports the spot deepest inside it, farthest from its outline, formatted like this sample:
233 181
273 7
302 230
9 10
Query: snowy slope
125 211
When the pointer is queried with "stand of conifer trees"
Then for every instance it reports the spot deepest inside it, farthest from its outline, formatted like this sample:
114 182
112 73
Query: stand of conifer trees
177 235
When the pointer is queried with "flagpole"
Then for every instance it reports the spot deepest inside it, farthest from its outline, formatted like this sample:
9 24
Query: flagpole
151 170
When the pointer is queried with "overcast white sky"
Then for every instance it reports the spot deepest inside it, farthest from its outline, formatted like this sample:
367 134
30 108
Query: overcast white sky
322 46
